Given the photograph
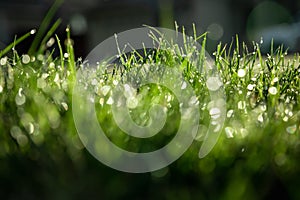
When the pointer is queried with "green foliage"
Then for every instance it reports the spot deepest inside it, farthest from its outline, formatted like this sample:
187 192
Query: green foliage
258 148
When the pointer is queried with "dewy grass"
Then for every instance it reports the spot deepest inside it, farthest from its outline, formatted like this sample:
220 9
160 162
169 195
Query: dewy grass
263 112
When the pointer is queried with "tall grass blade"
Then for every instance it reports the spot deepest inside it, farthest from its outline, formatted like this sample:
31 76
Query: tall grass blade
44 25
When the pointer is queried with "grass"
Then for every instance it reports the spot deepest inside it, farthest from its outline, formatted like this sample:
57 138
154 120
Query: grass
260 136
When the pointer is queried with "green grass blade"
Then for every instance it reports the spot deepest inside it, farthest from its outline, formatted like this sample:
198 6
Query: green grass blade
16 42
60 53
44 25
48 35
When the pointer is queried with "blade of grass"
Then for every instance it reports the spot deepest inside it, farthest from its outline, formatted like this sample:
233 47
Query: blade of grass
71 58
44 25
48 35
16 42
60 53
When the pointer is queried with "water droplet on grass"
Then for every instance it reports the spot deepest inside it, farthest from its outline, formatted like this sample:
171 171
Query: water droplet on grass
229 132
50 42
115 82
51 65
3 61
25 59
213 83
229 113
241 73
215 113
250 87
40 57
183 86
273 90
110 101
22 140
275 80
260 118
20 98
15 131
105 89
30 128
65 106
241 105
33 31
45 75
101 101
291 129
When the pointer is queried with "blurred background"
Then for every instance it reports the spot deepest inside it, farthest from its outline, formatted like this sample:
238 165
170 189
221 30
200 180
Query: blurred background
92 21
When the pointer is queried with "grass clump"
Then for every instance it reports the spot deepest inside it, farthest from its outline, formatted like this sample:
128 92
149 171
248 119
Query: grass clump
261 130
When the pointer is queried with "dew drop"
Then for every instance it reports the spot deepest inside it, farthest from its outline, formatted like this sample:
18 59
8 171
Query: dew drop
273 90
110 101
129 91
15 131
250 87
244 132
41 83
291 129
33 31
1 89
183 86
275 80
193 101
20 98
261 40
213 83
215 113
101 101
115 82
45 75
92 100
105 89
169 98
22 140
241 105
40 57
260 118
65 106
51 65
3 61
229 113
50 42
30 128
229 132
241 73
56 79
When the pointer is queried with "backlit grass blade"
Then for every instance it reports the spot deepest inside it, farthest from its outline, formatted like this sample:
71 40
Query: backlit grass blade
44 25
16 42
48 35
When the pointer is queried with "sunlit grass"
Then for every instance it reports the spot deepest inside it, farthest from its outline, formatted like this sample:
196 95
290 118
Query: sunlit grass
262 124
